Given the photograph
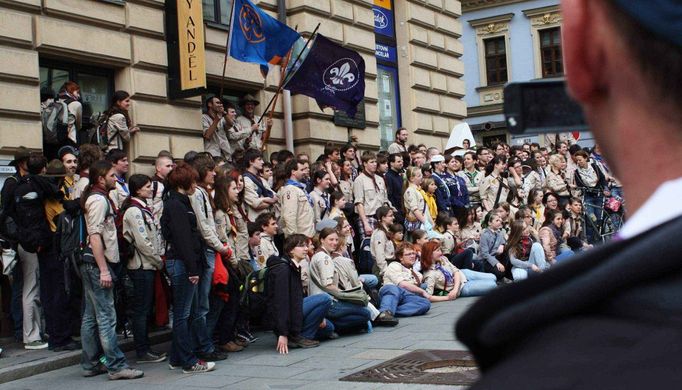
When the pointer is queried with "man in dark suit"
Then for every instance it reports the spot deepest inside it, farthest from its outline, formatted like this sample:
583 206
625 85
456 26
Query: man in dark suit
612 317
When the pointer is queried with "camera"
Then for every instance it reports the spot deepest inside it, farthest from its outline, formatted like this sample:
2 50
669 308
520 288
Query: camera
541 106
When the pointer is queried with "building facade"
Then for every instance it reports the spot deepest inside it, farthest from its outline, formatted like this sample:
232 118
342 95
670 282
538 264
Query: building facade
505 41
413 70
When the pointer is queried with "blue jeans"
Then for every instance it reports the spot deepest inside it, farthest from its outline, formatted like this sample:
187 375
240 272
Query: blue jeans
478 283
536 257
201 339
143 296
184 297
565 254
347 316
402 303
315 308
98 327
369 280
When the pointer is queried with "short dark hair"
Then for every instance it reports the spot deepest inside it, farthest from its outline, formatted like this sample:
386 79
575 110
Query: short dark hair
292 165
399 130
402 248
253 228
203 165
293 241
393 156
582 154
36 163
250 156
182 177
136 182
264 219
116 155
209 100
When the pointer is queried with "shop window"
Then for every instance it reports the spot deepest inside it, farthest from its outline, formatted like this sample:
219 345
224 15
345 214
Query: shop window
389 104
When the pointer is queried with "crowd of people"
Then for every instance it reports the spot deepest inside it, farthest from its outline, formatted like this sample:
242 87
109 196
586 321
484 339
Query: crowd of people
220 242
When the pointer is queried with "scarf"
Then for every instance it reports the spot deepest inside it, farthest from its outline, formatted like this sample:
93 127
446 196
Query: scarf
588 176
471 176
557 234
430 202
449 278
373 178
122 182
298 184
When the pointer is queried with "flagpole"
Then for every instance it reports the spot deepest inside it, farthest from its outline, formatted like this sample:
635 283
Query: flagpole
227 51
266 136
284 78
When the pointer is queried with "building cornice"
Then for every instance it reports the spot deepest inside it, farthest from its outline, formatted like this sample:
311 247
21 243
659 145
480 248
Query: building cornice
475 5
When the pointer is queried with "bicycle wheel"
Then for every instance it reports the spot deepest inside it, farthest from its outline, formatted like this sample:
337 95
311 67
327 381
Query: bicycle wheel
611 224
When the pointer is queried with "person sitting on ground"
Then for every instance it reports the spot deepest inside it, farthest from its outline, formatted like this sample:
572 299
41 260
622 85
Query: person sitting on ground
445 280
295 319
396 233
419 238
492 249
381 246
268 226
552 234
325 278
451 247
526 255
402 294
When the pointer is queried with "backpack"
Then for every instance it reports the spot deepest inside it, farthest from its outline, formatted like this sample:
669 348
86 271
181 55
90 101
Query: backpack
71 243
365 260
254 293
33 230
55 121
99 134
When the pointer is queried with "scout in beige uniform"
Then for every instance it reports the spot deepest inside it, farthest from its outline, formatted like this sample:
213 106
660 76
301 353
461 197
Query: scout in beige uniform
320 196
268 224
490 185
295 204
326 278
369 193
401 295
249 120
257 198
381 246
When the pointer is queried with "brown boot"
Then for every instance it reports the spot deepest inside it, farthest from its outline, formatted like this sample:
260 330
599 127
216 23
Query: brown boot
230 347
242 343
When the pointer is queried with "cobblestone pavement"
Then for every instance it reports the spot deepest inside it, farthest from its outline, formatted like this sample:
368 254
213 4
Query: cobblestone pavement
260 367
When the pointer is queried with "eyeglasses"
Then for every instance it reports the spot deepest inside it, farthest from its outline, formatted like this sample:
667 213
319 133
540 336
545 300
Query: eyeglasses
410 254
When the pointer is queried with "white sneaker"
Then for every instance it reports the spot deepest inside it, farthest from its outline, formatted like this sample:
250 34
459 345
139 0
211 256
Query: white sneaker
38 344
199 367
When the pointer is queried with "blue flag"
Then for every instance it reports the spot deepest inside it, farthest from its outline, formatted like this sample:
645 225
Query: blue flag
257 37
332 75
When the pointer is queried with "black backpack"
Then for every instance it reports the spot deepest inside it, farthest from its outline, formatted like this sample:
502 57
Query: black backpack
254 293
33 230
71 243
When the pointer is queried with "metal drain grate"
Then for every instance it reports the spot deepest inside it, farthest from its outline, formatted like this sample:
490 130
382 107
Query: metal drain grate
430 367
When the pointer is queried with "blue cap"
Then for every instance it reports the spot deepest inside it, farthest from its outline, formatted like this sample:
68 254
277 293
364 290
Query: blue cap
661 17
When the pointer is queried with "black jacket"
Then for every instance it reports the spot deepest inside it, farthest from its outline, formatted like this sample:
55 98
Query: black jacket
609 319
179 229
284 295
394 189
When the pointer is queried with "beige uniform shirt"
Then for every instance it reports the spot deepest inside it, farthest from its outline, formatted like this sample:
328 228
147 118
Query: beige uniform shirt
473 181
99 219
320 209
346 187
435 280
118 194
201 205
449 243
556 183
255 141
382 250
218 145
118 132
414 201
297 214
252 200
346 273
139 228
488 190
267 247
397 273
396 148
322 272
370 196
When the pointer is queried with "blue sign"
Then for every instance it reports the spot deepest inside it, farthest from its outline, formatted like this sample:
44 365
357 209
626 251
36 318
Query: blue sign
383 21
385 53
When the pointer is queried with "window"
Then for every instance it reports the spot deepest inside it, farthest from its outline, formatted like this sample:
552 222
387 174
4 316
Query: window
97 85
495 60
217 11
229 95
550 51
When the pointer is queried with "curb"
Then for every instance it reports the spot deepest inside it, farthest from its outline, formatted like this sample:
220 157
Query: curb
39 366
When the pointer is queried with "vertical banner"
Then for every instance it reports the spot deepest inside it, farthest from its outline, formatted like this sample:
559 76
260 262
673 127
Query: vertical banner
383 18
185 46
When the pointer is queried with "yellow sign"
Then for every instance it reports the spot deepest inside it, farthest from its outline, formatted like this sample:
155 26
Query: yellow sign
191 44
385 4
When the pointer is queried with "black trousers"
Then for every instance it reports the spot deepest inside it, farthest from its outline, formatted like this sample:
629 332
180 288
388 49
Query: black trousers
56 304
504 259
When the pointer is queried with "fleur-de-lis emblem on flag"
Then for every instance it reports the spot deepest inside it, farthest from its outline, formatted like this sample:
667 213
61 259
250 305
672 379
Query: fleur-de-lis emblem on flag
341 74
